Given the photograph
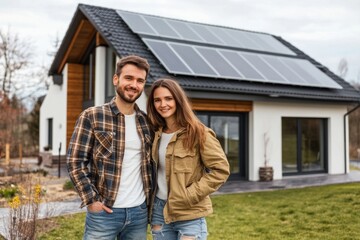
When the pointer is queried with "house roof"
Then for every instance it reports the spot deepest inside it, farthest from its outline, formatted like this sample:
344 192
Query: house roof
117 34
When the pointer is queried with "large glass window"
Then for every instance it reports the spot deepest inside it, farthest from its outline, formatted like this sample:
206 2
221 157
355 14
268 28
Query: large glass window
304 145
110 71
289 145
230 131
89 80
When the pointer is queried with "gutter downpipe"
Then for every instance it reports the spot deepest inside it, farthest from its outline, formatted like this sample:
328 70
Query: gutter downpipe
345 150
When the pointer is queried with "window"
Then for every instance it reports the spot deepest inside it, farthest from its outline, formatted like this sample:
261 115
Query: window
89 80
304 145
110 71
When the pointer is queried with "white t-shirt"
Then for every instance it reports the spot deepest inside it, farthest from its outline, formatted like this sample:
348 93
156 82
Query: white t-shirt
162 192
131 189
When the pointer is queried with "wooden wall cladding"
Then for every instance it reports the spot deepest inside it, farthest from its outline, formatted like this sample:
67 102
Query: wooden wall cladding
74 97
221 105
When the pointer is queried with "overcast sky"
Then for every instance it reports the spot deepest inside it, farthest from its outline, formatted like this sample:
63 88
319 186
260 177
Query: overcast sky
327 30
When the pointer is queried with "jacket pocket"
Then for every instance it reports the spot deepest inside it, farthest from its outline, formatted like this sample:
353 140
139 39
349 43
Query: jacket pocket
103 148
183 162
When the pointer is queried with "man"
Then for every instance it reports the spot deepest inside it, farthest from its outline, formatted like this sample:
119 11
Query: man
109 159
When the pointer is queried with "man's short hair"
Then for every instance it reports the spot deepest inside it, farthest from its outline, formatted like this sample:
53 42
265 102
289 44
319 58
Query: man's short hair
139 62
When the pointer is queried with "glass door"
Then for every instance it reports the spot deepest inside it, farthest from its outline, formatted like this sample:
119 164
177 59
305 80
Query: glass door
230 131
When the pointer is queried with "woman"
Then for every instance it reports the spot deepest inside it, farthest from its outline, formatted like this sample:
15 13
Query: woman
190 165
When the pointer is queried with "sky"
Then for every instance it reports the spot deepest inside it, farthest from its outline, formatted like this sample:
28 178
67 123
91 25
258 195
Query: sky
326 30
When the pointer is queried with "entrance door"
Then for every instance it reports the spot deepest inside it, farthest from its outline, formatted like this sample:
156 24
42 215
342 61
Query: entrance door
50 133
230 131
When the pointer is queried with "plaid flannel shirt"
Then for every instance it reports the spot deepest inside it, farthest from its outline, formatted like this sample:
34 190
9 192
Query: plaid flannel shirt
96 152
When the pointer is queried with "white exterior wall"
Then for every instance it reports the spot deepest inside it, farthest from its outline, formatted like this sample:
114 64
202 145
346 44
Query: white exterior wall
266 117
100 68
54 106
141 102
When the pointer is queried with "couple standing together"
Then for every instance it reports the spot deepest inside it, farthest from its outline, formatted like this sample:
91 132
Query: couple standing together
130 169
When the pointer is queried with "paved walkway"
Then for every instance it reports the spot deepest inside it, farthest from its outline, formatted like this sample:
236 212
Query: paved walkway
289 182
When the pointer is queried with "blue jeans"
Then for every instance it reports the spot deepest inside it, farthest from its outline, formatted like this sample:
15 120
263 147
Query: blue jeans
195 229
123 223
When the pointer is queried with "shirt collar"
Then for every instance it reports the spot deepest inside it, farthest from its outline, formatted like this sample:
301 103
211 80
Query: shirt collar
116 110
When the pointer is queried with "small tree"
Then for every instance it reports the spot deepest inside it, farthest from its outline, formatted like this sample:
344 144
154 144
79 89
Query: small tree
24 211
20 82
15 55
33 123
343 68
11 122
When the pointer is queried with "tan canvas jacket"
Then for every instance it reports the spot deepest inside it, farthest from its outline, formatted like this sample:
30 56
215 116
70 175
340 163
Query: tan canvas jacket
191 175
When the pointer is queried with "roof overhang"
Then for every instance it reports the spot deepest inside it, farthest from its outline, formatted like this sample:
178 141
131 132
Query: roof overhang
75 43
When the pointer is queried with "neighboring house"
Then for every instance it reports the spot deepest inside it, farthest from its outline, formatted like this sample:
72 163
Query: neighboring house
249 87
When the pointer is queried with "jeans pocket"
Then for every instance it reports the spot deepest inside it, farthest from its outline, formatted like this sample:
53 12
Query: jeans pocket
143 206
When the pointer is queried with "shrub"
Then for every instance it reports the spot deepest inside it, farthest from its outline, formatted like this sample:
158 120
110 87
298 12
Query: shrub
24 211
41 171
9 192
68 185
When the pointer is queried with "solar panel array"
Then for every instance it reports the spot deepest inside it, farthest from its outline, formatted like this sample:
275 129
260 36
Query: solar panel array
185 59
201 50
181 30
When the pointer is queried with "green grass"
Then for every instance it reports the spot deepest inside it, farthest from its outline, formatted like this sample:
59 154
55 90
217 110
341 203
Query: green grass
354 168
327 212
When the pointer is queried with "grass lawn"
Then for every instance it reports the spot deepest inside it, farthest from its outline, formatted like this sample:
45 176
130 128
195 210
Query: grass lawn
327 212
354 168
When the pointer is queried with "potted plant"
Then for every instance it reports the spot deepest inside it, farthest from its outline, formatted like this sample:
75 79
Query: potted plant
266 172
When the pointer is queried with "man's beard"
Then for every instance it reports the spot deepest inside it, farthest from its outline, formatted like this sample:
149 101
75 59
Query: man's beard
124 98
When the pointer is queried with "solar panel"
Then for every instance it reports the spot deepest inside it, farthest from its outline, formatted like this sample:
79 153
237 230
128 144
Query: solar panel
202 33
226 37
218 62
168 57
316 73
185 31
264 45
275 44
206 34
278 65
161 27
301 72
264 68
193 60
248 71
137 23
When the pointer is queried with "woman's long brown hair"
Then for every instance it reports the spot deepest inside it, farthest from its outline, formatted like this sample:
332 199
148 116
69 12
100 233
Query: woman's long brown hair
184 115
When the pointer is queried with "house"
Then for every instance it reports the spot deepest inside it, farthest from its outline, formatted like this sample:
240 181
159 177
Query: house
266 100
